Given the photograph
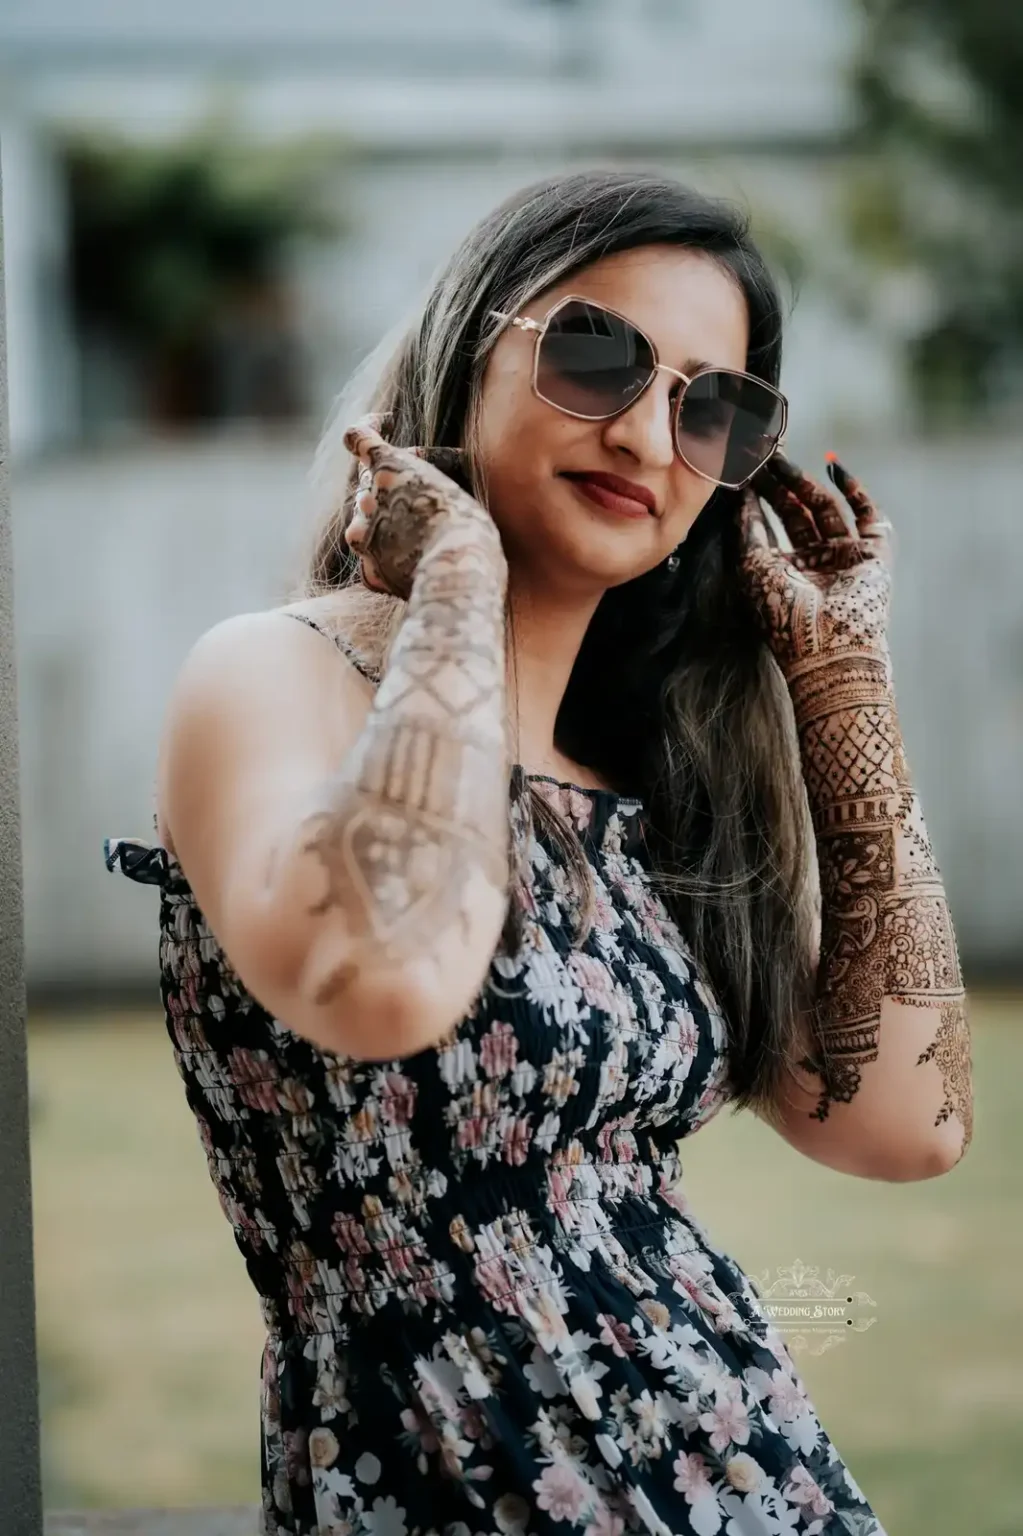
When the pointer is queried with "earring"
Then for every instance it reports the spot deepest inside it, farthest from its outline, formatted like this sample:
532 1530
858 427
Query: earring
673 561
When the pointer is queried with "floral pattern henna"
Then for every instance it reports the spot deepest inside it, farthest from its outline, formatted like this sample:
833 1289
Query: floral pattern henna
418 812
886 931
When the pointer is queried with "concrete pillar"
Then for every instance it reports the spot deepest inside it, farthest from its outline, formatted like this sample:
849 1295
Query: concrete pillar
20 1478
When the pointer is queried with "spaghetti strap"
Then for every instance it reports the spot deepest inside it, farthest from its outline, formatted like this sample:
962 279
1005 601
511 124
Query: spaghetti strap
356 658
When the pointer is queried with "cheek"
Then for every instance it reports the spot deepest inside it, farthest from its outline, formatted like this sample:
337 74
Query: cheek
517 448
690 495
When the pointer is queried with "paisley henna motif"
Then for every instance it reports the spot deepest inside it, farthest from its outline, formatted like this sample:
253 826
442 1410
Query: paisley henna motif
950 1049
885 925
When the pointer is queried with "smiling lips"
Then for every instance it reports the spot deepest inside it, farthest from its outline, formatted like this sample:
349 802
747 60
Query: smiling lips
615 494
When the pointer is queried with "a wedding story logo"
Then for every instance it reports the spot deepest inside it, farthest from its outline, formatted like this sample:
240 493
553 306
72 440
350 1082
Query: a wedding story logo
813 1312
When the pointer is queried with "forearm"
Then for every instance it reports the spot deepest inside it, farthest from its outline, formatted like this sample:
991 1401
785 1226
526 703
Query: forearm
407 846
887 940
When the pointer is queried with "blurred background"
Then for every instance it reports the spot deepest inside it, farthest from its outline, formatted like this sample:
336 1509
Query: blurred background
212 212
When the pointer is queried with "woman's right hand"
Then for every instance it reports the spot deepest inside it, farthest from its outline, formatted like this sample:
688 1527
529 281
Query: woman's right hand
404 498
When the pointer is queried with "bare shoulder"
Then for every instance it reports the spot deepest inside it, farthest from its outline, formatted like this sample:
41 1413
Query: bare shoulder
257 694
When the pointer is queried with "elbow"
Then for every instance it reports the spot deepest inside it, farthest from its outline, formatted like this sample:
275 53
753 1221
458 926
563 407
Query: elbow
371 1014
928 1159
375 1007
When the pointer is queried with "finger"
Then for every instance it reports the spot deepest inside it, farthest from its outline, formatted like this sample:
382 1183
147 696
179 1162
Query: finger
796 518
363 439
869 521
827 514
357 529
753 529
370 577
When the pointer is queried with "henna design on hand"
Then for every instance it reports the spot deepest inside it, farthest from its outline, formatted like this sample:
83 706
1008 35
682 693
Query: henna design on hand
885 925
419 811
404 496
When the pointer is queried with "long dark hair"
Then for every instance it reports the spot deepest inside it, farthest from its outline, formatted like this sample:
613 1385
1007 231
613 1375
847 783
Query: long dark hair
702 725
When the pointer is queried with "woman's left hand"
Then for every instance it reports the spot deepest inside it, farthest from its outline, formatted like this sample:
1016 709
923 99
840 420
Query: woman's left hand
830 594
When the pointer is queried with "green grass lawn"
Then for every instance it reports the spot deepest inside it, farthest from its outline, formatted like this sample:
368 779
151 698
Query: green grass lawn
150 1335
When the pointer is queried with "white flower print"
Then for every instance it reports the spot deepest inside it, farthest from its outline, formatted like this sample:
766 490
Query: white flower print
486 1239
543 1375
386 1518
788 1406
549 987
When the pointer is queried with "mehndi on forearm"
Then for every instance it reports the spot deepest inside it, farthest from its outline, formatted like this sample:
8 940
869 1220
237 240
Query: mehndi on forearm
418 812
886 931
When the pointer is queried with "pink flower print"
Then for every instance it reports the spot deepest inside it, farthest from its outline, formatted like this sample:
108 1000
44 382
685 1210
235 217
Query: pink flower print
787 1400
801 1489
515 1148
616 1334
615 1141
691 1475
693 1479
727 1422
252 1230
561 1492
673 1194
593 978
417 1422
190 994
495 1279
397 1095
577 807
470 1132
605 918
498 1050
560 1202
476 1114
355 1274
400 1260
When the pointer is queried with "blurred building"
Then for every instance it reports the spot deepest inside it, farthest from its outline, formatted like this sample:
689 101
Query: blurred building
130 541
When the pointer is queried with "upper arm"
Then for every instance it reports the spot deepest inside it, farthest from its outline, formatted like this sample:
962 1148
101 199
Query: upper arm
261 715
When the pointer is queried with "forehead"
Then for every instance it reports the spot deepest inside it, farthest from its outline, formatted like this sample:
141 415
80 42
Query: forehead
692 308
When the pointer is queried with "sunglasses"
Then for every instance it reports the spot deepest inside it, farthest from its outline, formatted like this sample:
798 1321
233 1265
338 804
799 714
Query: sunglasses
592 363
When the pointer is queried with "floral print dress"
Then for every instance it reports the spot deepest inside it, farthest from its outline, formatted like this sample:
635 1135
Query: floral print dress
490 1310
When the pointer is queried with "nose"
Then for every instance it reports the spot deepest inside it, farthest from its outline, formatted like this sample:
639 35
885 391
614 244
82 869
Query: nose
644 429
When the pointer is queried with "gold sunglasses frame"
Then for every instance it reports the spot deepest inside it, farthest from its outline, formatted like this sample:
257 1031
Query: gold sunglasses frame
540 327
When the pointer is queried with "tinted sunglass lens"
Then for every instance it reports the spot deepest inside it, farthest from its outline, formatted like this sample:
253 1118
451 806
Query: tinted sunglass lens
592 362
728 425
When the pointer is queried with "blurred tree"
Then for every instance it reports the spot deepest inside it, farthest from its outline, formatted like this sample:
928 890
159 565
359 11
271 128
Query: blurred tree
935 198
177 260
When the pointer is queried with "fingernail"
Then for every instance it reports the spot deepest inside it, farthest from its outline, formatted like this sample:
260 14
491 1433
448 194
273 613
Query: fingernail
836 474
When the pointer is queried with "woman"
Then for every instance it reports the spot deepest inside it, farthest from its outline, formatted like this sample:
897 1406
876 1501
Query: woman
470 917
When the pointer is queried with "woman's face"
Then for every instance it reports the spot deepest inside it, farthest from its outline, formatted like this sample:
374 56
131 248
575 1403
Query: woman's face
693 311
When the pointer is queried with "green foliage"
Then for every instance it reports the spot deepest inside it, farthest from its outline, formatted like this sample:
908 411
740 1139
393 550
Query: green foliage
937 189
164 233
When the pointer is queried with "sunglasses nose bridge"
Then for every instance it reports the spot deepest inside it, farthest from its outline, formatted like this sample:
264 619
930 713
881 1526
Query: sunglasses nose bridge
663 368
